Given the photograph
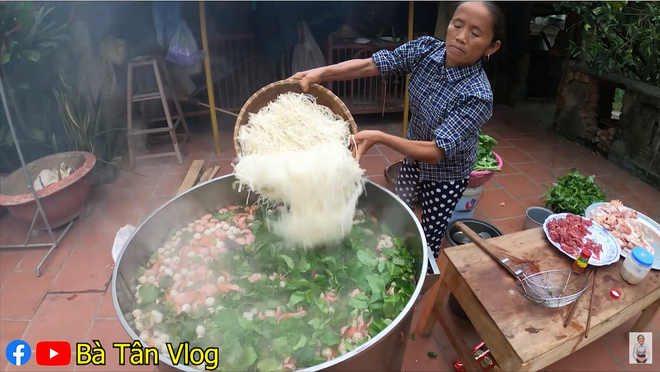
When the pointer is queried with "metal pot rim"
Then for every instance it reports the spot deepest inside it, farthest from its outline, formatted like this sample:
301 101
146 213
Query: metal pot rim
375 340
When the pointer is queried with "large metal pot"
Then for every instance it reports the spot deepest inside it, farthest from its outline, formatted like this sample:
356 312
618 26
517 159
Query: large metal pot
384 352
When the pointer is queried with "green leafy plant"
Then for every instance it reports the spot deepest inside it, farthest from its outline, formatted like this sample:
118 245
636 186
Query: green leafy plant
619 37
573 194
28 35
486 160
82 121
617 105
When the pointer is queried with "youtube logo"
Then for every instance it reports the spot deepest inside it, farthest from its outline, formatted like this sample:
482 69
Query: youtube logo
53 353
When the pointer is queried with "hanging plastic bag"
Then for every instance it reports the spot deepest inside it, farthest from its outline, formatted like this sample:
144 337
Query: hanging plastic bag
306 54
183 49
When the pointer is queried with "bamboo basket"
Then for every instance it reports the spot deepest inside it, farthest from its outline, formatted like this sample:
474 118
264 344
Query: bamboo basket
392 172
270 92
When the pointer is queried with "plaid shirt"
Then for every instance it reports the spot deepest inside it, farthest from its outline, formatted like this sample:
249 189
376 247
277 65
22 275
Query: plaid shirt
448 105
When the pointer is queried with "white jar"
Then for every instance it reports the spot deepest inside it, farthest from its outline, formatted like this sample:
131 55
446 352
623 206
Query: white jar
637 265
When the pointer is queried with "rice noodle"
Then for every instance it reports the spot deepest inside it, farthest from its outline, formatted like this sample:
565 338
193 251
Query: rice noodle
295 152
291 122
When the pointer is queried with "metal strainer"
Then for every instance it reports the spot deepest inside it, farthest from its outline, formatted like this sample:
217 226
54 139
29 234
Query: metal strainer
550 288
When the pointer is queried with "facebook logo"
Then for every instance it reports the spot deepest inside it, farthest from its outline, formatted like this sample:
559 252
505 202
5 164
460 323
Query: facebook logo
18 352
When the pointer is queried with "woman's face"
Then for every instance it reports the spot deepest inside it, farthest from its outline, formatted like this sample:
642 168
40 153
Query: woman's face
640 340
470 35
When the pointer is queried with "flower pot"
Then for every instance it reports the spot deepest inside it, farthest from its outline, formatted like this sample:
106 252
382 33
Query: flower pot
62 201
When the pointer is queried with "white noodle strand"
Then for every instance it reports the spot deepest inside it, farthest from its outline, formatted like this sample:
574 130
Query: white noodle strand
295 152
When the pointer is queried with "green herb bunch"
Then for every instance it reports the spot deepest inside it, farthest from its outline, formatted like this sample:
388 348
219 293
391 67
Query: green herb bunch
573 194
486 160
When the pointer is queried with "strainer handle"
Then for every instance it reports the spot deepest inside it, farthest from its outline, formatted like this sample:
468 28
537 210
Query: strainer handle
486 247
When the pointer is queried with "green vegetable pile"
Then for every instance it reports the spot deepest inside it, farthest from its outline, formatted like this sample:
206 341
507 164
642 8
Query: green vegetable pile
486 160
291 309
573 194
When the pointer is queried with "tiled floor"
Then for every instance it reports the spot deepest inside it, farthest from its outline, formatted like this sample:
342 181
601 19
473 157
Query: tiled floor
70 301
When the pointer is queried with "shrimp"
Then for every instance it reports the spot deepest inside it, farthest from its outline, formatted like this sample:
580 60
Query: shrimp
330 297
254 277
298 314
228 287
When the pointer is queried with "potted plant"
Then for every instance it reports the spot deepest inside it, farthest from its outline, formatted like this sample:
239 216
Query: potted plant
82 120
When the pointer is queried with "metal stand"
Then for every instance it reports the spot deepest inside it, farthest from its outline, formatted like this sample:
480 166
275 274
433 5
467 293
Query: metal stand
40 210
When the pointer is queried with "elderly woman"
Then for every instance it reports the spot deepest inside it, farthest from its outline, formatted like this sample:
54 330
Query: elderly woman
640 350
451 99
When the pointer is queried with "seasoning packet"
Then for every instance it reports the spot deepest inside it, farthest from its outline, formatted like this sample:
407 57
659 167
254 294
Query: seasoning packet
484 359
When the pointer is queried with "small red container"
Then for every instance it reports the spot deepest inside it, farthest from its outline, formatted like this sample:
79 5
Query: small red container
484 359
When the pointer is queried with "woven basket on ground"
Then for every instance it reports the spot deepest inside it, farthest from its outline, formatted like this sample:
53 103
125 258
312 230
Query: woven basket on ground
392 172
270 92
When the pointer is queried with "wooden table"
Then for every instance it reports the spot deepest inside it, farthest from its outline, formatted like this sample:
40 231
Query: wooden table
523 336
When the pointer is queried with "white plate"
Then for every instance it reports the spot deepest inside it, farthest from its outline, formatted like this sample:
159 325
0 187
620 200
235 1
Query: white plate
651 225
597 233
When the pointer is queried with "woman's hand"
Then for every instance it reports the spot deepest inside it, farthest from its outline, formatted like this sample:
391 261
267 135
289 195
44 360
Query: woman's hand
313 76
364 140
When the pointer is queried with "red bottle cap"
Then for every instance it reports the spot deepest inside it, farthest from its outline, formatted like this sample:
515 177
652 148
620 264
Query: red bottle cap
615 293
586 253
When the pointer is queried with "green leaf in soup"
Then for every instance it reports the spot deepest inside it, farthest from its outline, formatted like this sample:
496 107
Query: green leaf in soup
282 347
248 325
291 325
247 359
288 260
322 305
148 293
317 324
388 308
233 352
376 297
330 260
386 230
357 303
330 338
301 343
304 265
376 283
398 261
374 329
296 298
367 259
225 319
268 364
